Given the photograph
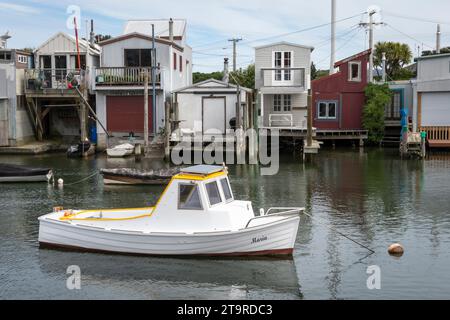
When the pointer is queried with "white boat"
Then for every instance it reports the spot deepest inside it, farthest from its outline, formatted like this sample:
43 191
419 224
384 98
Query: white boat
121 150
196 215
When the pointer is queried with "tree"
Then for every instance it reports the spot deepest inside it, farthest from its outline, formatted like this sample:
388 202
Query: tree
244 77
317 73
377 97
200 76
398 55
431 52
102 37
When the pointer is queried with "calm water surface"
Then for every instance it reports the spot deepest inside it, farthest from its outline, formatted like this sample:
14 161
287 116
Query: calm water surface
372 196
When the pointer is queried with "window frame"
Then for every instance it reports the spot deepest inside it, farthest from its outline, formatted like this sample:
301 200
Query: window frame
229 188
218 190
174 61
279 76
284 102
197 186
327 110
350 71
139 57
181 63
278 99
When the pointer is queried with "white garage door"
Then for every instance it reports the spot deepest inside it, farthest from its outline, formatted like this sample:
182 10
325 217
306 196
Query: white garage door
436 109
214 115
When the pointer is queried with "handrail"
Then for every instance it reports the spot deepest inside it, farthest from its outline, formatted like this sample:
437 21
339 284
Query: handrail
288 212
123 75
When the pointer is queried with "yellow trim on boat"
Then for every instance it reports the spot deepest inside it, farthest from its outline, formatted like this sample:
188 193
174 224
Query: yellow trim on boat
71 216
189 176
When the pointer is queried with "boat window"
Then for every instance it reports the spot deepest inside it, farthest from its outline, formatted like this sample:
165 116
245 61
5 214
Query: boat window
213 193
189 197
226 189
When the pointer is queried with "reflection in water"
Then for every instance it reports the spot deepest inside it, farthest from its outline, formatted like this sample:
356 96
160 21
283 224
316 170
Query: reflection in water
372 196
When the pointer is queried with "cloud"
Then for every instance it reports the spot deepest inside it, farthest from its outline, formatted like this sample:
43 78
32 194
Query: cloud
17 8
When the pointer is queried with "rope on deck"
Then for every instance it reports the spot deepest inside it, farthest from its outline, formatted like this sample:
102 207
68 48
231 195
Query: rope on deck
340 233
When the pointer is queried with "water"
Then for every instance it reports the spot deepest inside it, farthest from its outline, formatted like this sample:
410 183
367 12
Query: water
372 196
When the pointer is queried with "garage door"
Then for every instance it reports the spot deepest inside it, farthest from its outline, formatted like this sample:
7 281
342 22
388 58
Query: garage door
126 114
436 109
214 115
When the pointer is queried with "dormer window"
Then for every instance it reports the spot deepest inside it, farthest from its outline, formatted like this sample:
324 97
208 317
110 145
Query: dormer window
354 71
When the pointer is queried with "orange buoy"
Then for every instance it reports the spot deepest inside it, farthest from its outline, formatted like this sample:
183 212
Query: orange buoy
396 249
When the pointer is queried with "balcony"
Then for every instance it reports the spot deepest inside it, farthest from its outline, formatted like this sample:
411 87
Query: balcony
437 136
123 76
283 77
53 81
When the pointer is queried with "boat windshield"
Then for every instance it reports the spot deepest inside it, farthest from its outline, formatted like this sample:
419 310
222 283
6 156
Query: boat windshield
213 193
189 197
226 189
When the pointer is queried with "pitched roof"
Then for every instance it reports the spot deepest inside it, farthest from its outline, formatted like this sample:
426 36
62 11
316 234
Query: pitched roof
353 57
82 42
141 36
161 27
285 43
218 83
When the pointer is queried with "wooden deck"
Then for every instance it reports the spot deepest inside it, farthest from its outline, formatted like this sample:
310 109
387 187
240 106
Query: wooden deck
341 134
437 136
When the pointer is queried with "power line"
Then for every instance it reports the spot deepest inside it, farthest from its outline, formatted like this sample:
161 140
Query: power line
407 35
414 18
246 42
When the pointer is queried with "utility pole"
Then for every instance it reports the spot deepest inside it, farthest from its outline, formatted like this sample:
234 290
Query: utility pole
438 39
145 110
384 66
153 57
371 26
333 36
235 41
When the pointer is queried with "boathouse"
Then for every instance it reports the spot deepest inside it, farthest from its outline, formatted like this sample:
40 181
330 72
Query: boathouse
119 81
339 98
57 109
432 99
16 127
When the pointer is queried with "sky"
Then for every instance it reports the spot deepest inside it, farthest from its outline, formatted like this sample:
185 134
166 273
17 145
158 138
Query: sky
211 23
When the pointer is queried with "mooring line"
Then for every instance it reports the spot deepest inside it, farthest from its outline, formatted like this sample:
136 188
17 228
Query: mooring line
340 233
84 179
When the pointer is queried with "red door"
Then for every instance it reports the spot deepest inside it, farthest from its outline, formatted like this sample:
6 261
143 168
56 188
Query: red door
126 114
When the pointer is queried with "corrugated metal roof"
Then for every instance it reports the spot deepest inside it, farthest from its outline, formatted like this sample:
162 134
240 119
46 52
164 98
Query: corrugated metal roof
161 27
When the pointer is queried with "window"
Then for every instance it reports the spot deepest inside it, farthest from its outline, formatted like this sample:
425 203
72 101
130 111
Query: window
392 110
226 189
287 102
277 64
181 64
5 55
287 64
174 61
189 197
83 62
22 59
327 110
282 61
212 189
277 102
138 57
354 72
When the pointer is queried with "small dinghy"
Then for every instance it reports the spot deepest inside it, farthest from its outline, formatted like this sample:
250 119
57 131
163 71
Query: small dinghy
122 150
136 176
196 215
76 151
16 173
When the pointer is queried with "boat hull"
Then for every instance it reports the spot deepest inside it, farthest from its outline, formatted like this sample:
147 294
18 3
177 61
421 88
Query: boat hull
271 239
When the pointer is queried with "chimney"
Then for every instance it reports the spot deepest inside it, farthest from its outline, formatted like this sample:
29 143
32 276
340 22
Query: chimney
92 34
170 30
438 39
225 77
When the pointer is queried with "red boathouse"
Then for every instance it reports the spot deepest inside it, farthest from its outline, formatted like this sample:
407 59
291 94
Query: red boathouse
338 100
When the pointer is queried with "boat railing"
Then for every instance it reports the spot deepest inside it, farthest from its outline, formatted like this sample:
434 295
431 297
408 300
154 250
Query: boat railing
277 211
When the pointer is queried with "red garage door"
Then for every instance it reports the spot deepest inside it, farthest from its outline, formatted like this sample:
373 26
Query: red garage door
126 114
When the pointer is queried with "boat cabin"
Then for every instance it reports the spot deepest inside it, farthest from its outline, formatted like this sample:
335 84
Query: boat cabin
201 197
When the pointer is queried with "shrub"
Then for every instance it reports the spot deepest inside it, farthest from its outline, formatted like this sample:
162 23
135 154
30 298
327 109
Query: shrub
377 97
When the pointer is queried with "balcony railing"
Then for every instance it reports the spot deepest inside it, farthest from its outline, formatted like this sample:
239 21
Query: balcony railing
283 77
123 76
40 79
437 136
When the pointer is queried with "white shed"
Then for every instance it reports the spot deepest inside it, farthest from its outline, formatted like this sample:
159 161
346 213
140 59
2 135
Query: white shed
208 106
